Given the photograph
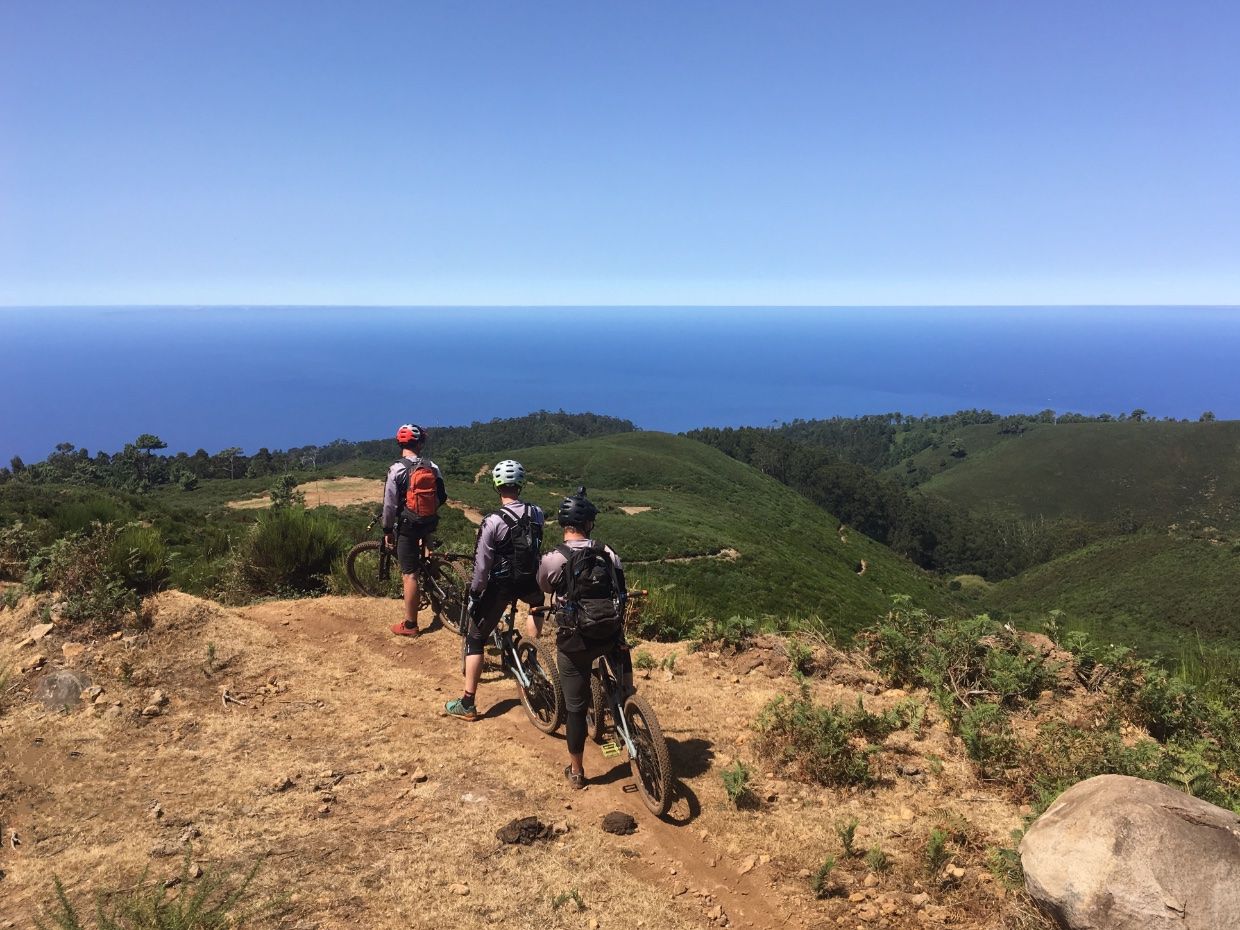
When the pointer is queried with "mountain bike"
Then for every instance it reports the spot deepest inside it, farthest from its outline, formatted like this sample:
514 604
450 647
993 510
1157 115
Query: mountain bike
538 682
443 579
636 728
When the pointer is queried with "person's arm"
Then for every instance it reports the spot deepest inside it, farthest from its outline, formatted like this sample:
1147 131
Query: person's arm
624 588
441 492
390 505
550 571
484 555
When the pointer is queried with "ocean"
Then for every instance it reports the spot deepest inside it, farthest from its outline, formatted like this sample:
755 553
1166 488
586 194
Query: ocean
214 377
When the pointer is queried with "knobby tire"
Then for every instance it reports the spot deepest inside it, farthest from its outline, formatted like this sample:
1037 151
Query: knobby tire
652 763
361 566
544 699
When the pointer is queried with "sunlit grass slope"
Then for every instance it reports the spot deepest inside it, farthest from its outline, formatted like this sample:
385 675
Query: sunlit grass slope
1152 591
792 562
1157 472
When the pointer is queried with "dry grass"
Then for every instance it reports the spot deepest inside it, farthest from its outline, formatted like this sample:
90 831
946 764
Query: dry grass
336 708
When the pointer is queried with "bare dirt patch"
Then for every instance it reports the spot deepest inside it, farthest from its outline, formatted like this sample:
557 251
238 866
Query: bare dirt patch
329 492
631 511
472 514
304 732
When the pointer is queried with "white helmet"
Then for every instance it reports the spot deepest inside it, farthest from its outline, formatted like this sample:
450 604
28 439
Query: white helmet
508 472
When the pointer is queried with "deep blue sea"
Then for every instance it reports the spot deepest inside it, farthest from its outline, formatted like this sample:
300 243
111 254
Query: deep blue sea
220 376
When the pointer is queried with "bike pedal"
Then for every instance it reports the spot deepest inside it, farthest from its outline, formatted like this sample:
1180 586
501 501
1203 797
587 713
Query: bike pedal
610 749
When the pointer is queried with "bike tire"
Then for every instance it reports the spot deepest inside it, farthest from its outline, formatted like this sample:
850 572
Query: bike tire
544 699
446 586
596 713
652 762
361 566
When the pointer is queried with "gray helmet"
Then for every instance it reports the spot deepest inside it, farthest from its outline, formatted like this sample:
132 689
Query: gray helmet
576 510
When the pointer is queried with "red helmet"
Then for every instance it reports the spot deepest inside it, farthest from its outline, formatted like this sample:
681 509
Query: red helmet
411 434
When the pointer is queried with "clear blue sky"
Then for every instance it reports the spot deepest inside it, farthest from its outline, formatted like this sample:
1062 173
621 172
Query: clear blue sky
578 152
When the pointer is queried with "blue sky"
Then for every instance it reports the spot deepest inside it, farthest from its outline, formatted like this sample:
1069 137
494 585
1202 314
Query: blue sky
661 153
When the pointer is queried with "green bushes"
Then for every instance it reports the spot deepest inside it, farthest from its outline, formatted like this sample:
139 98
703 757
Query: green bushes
733 633
214 901
289 550
736 783
821 743
103 573
963 662
987 737
17 544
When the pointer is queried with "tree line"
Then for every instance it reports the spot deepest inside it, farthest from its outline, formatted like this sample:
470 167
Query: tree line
139 465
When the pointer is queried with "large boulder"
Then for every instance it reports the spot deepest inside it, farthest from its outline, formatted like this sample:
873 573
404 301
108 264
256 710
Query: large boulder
1120 853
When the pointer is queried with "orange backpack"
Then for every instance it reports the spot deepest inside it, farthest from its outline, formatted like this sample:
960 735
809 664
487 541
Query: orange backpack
421 492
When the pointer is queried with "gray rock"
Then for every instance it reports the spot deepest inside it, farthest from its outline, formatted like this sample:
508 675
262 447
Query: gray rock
1120 853
61 689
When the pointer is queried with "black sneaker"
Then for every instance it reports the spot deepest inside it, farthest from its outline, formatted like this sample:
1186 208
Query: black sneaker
576 780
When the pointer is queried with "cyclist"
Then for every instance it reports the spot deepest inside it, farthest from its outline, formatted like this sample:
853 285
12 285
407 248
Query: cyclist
505 567
587 580
411 499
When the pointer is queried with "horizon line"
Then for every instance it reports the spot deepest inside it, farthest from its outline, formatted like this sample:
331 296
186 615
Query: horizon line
618 306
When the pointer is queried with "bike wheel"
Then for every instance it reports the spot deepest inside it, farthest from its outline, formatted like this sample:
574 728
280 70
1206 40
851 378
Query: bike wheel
596 713
652 762
446 587
544 699
362 567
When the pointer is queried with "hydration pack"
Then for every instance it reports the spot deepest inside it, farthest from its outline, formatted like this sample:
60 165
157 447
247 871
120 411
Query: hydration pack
591 592
418 491
519 553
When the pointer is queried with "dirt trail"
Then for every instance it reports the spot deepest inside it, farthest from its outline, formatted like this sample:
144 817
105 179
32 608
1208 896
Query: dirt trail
333 492
472 514
370 805
661 841
726 555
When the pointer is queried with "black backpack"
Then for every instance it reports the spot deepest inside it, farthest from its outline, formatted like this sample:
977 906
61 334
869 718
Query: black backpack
519 554
591 592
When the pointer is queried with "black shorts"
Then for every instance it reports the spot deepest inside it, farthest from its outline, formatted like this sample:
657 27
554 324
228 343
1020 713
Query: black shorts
495 599
409 538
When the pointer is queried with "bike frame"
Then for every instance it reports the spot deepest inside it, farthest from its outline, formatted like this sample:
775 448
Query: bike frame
611 686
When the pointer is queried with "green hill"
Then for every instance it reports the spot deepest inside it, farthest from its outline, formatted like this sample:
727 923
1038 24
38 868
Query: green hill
1155 472
705 505
1154 591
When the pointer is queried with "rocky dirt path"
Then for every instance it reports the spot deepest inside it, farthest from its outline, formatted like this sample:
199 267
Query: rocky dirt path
674 854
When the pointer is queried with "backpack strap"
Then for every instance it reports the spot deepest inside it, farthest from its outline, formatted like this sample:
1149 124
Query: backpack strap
570 583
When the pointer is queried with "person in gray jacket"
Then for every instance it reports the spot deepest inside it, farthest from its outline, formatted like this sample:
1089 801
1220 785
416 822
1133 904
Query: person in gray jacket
587 580
505 568
411 479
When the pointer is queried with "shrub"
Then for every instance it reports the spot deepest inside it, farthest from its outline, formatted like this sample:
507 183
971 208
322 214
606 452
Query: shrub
665 616
937 852
800 657
733 633
289 550
821 880
876 860
96 572
820 742
17 544
214 901
284 494
962 661
139 558
847 832
644 661
987 737
736 783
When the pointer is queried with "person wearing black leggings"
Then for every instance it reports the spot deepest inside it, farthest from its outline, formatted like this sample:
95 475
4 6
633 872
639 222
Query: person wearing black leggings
587 580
